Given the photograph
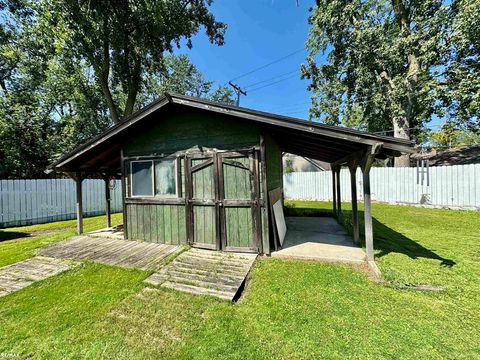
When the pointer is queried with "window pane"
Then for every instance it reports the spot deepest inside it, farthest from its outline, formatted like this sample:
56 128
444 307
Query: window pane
142 178
165 178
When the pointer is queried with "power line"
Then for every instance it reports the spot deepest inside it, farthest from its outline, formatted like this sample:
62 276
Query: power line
272 78
269 64
272 83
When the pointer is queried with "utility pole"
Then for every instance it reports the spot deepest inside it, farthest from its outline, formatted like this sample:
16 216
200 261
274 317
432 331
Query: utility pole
238 91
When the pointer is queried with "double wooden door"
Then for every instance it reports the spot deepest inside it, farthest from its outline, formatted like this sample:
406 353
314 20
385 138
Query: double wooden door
222 200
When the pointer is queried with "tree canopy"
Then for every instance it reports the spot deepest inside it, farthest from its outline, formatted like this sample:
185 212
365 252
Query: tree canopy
391 65
51 96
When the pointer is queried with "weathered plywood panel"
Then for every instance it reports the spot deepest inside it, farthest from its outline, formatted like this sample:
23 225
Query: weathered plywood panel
159 223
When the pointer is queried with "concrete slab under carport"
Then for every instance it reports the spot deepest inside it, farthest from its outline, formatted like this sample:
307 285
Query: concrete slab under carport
321 239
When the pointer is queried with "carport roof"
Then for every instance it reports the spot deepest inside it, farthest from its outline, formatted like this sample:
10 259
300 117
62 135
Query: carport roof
102 154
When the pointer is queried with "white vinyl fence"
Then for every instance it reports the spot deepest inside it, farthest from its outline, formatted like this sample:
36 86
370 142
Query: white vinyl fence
448 186
24 202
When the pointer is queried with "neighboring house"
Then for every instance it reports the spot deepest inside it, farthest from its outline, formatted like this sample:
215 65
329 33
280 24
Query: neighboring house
295 163
461 156
207 174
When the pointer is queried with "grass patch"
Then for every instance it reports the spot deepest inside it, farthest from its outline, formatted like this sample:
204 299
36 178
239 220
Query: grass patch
290 310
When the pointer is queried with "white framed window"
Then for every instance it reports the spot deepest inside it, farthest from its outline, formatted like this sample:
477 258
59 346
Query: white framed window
154 178
141 180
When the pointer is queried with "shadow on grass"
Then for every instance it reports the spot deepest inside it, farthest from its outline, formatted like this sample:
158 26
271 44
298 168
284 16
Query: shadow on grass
12 235
386 240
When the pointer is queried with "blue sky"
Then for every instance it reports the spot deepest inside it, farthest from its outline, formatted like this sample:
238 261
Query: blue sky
259 32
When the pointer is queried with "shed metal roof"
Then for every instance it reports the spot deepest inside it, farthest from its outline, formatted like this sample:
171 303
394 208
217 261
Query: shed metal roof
306 138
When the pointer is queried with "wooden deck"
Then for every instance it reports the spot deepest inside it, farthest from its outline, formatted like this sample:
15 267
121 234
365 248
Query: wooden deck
24 273
206 272
113 251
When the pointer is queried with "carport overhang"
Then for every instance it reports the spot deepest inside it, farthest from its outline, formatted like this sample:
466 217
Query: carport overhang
332 144
338 146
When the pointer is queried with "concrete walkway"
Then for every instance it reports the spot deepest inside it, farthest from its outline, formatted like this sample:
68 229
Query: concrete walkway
319 238
24 273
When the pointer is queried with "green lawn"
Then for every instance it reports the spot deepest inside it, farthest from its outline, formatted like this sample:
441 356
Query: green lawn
291 309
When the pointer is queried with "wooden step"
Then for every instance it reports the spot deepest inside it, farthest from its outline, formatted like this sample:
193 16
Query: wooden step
205 272
199 290
210 263
234 276
223 256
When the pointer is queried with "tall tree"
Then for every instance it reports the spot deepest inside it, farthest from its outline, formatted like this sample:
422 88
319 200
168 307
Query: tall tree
182 77
462 67
125 40
381 62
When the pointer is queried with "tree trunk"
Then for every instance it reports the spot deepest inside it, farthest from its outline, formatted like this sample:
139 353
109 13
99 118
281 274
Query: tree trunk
401 130
104 73
103 80
402 124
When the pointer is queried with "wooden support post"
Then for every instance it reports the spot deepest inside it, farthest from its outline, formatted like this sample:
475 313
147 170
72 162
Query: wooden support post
334 192
79 205
265 209
353 182
339 197
108 208
125 193
366 164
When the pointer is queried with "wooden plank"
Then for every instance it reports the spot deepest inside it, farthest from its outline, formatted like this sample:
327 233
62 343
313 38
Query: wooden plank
161 224
153 224
167 211
174 224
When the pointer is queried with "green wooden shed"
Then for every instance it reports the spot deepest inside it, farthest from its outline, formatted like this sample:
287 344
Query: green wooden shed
207 174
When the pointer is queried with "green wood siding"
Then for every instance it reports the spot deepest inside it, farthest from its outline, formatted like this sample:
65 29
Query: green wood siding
177 131
203 181
203 186
273 156
157 223
236 179
238 186
239 227
189 129
204 231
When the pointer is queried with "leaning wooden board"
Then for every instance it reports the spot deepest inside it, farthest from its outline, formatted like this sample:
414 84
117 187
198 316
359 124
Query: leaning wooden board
274 196
280 221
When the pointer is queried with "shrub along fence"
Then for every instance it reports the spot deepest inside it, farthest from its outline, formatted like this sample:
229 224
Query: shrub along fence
455 186
25 202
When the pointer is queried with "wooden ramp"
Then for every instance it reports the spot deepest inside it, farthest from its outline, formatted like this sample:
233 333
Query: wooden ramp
113 251
206 272
24 273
